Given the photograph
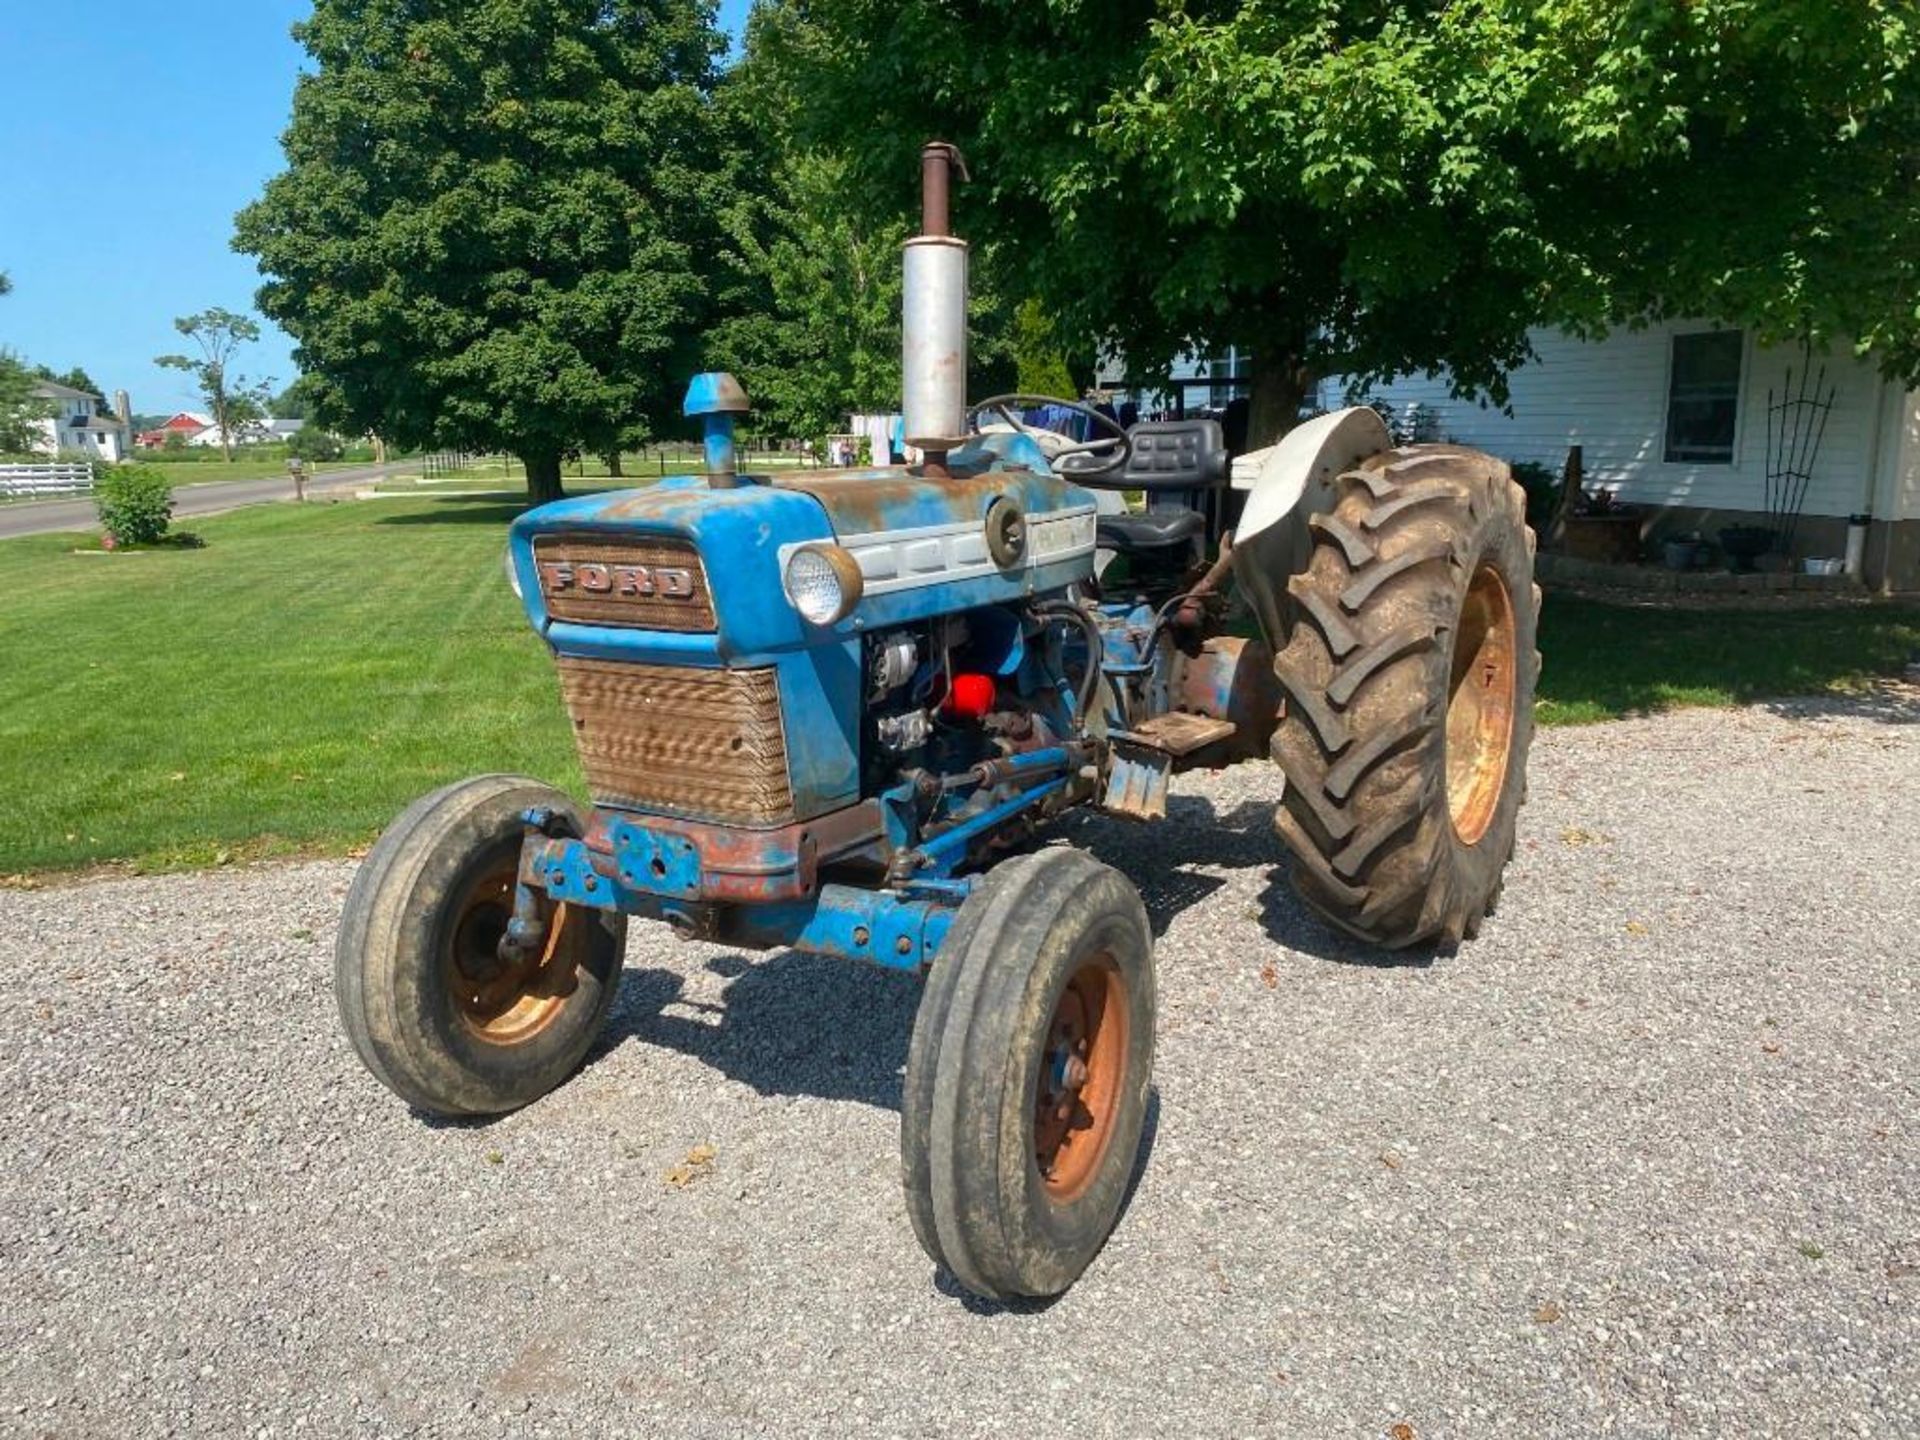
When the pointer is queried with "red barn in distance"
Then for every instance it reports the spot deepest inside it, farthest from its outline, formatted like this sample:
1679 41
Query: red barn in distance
186 425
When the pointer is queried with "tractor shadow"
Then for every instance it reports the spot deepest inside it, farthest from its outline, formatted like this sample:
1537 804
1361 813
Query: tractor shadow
1165 861
803 1025
790 1023
787 1023
494 509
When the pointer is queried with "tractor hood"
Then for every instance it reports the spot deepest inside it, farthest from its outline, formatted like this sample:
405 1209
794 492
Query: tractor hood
920 543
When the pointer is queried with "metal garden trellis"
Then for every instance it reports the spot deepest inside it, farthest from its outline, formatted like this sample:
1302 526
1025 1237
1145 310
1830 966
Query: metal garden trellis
1796 426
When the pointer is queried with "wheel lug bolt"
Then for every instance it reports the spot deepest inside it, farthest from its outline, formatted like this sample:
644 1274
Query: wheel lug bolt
1076 1075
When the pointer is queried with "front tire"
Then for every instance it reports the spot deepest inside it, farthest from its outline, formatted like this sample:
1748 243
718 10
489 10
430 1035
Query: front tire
1410 675
1026 1085
431 1009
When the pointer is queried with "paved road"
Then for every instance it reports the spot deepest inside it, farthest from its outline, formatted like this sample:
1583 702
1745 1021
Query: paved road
1642 1161
41 517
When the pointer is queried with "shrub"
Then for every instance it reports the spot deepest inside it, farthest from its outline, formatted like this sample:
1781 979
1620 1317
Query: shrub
174 441
1543 492
135 502
314 445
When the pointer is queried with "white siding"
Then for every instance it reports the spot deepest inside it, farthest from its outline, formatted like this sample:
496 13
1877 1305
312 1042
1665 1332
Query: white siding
1611 398
1904 502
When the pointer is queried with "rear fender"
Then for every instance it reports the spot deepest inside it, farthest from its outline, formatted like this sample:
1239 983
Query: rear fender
1289 482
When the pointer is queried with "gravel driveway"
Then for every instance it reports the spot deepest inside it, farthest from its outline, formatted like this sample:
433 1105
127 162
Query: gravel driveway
1641 1161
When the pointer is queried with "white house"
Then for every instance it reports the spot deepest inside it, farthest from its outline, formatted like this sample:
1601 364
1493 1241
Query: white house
80 423
248 432
1674 417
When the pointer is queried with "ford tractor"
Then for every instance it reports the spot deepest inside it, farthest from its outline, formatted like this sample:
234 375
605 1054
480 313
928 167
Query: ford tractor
829 710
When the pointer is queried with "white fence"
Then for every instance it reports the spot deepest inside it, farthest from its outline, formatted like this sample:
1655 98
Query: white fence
62 479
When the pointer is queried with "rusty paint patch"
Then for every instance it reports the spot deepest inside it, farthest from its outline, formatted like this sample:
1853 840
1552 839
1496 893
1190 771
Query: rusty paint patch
1232 679
702 743
752 867
1081 1083
1480 706
868 502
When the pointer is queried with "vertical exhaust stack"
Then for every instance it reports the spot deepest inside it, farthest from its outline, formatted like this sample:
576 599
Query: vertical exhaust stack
933 316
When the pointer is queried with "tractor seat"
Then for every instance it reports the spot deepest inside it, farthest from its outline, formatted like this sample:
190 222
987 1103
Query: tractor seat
1155 530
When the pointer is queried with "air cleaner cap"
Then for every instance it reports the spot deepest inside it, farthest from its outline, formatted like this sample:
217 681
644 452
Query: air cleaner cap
715 393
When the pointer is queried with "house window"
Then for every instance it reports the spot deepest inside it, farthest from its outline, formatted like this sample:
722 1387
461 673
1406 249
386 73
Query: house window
1703 397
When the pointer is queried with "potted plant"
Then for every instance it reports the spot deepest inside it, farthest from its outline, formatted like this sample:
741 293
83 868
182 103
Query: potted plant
1681 552
1743 544
1602 528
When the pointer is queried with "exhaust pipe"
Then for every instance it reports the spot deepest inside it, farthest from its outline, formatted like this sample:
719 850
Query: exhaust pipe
933 315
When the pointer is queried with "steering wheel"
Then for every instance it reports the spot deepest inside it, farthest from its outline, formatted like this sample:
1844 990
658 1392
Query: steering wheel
1077 468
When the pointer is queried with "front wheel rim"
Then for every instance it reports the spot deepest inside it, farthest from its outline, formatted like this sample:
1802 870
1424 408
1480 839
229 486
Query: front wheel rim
1079 1091
1480 705
502 1002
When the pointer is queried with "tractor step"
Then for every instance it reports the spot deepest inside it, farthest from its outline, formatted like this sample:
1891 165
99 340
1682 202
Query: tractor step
1179 733
1143 761
1137 781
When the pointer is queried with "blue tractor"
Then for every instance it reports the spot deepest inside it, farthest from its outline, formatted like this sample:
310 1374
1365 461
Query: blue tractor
829 710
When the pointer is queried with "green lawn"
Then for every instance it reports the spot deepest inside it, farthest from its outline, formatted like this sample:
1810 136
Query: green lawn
1605 661
294 684
291 686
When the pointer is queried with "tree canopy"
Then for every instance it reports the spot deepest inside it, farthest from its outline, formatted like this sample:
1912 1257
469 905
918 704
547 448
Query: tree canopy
76 378
813 324
1370 187
295 402
500 222
20 410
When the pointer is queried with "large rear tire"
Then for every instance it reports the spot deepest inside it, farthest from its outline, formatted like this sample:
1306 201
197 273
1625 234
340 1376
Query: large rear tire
1409 676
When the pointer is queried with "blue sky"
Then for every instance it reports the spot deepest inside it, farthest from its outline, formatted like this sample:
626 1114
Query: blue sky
125 151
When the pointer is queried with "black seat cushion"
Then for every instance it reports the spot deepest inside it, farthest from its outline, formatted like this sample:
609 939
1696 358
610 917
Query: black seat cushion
1152 531
1185 455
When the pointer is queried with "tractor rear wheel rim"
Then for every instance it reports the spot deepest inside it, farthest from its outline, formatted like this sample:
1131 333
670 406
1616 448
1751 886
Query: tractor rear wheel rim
1083 1071
1480 705
502 1002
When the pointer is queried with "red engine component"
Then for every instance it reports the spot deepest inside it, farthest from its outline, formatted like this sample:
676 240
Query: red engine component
970 697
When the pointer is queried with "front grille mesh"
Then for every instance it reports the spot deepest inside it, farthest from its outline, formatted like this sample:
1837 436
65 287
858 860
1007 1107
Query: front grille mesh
703 744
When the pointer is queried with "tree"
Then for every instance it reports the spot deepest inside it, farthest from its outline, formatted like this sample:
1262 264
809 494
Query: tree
499 220
1370 187
1043 370
823 340
20 409
232 400
74 379
312 443
295 402
814 332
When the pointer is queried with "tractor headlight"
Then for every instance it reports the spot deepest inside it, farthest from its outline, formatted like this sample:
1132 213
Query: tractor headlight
824 583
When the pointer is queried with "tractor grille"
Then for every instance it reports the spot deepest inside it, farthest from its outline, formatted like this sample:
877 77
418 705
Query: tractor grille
608 580
703 744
